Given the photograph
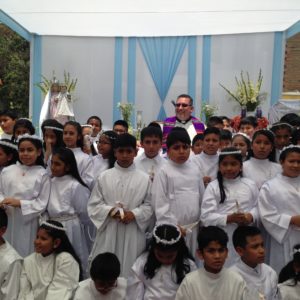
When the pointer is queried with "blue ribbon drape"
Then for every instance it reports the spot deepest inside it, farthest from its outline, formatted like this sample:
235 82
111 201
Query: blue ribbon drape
162 55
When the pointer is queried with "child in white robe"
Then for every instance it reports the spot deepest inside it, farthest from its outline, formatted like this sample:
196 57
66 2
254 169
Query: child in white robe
279 208
24 191
52 272
68 200
10 264
231 200
177 188
261 166
261 279
8 119
105 158
150 161
105 282
120 206
8 153
213 281
157 273
207 160
242 142
289 277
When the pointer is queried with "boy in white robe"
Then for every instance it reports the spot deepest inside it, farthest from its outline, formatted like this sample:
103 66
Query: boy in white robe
213 281
120 206
10 264
207 160
177 188
260 278
105 282
150 161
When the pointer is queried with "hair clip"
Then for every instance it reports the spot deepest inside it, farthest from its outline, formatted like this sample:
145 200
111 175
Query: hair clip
164 241
29 136
230 152
54 128
53 226
9 144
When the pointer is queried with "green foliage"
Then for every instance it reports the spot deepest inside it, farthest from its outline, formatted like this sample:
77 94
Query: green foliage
14 71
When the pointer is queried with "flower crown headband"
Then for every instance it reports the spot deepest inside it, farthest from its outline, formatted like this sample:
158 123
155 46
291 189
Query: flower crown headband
8 144
29 136
53 226
87 125
109 137
230 152
290 147
164 241
242 134
54 128
295 250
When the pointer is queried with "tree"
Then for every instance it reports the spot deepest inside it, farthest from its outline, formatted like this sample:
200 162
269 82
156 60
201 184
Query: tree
14 71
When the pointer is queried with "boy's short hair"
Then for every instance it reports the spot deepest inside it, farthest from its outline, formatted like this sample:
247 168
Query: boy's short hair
105 267
186 96
9 113
210 234
225 135
212 130
251 120
197 137
3 218
151 131
239 237
213 121
96 118
122 123
125 140
178 134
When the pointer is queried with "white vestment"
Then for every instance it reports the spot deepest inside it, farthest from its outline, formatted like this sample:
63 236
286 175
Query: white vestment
162 286
262 279
68 205
279 200
31 185
188 126
289 291
176 194
260 170
130 188
10 271
53 277
87 291
202 285
207 164
149 165
99 165
241 195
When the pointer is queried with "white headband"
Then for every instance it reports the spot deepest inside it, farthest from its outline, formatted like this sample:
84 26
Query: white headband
230 152
242 134
29 136
163 241
296 250
10 145
281 123
290 147
54 128
87 125
53 226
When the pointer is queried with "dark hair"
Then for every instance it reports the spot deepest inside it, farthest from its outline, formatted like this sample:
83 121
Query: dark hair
212 130
9 150
280 125
291 118
246 140
112 136
237 156
197 137
270 136
225 118
67 156
23 123
296 136
9 113
288 272
122 123
96 118
286 151
213 121
239 237
151 131
65 244
178 134
78 128
225 135
251 120
38 145
3 218
186 96
154 124
105 267
210 234
125 140
180 265
58 133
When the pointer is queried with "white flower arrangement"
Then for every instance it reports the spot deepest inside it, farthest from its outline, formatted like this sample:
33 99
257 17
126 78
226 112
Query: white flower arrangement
208 110
126 111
